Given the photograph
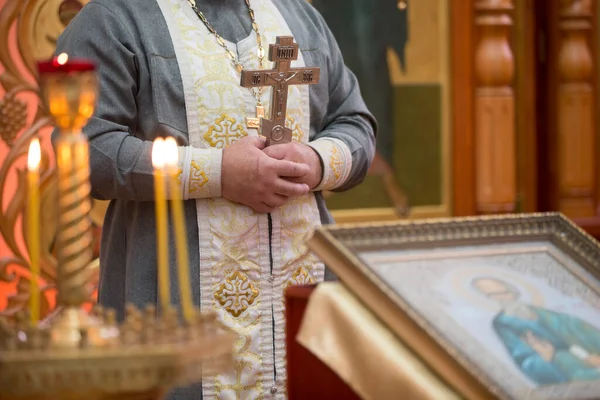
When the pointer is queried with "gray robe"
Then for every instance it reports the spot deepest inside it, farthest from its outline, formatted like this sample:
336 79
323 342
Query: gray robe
141 95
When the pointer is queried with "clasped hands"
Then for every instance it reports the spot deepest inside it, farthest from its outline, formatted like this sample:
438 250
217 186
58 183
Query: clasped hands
547 351
265 178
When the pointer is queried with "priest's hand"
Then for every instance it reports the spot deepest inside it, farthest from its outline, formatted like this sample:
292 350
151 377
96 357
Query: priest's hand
300 153
250 177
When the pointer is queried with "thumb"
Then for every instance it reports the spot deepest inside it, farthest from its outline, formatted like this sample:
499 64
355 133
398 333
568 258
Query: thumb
278 151
256 141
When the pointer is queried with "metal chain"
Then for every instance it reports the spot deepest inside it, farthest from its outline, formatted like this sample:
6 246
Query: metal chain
238 66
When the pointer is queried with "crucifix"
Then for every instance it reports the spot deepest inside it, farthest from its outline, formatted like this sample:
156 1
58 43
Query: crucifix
282 53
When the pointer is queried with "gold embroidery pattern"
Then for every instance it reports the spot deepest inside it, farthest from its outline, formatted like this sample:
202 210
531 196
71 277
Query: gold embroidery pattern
336 163
235 222
238 387
301 277
297 133
180 176
198 178
296 219
224 131
243 344
236 294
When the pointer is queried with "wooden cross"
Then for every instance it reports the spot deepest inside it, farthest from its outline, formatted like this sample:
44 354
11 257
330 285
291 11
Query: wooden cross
282 53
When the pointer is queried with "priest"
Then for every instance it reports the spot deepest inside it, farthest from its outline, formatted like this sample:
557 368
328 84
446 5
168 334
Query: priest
173 66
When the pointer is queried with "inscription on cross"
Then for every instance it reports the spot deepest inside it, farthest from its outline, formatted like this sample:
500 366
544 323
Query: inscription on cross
282 53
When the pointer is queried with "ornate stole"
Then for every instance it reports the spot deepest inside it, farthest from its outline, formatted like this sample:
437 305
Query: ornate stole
244 272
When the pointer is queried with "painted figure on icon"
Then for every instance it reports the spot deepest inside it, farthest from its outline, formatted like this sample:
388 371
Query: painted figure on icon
549 347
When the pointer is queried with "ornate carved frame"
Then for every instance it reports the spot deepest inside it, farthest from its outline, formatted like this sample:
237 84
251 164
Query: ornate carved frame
341 248
28 31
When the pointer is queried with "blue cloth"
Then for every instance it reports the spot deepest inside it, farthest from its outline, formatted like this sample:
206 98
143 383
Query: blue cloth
562 331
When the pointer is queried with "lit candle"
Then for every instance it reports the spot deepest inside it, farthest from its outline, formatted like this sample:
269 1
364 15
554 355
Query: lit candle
171 163
162 234
71 108
33 229
63 63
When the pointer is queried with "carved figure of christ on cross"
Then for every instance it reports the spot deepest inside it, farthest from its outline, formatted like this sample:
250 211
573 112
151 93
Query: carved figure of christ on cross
282 53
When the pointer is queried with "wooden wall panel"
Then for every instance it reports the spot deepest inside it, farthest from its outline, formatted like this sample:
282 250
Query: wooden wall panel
569 171
462 51
483 107
495 158
527 56
576 134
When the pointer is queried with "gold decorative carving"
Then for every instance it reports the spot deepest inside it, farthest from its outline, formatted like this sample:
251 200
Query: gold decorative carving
51 17
495 108
142 358
28 33
76 95
576 124
13 118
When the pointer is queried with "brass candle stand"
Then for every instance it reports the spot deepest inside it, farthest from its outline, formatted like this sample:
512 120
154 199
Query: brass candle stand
76 354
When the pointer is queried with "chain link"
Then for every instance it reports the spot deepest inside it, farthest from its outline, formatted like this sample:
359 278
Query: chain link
238 66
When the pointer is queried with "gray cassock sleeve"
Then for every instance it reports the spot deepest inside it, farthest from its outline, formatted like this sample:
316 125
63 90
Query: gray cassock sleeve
347 118
120 163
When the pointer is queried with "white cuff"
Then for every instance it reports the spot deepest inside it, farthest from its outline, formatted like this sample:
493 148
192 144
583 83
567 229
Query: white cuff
337 162
579 352
200 172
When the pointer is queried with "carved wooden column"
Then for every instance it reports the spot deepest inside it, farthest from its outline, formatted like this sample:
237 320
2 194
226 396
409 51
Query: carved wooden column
495 157
576 134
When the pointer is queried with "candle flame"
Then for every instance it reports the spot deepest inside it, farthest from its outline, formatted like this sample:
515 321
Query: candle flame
62 59
171 157
158 153
35 155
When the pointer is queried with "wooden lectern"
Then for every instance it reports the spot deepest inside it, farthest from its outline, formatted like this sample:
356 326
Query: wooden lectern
308 377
